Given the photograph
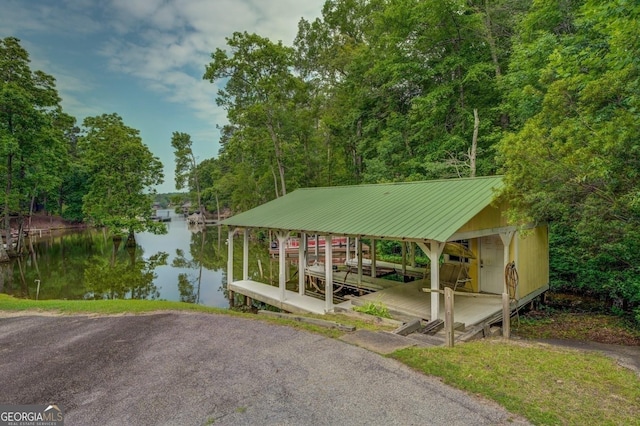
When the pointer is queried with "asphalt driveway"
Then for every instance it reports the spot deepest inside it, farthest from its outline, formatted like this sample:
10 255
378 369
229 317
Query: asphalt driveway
197 369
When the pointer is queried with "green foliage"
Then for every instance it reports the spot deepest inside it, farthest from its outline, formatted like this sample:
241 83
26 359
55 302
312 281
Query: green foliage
377 309
574 157
33 152
122 172
187 171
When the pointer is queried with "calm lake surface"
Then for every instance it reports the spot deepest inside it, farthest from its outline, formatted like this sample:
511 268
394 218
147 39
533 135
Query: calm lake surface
186 264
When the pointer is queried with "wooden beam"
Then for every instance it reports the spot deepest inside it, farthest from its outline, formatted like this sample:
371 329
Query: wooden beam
359 245
434 258
232 231
282 266
463 293
302 262
448 316
404 258
328 273
506 238
372 250
484 232
245 254
506 316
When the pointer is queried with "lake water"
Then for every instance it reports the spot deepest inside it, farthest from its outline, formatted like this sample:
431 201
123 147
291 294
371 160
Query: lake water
186 264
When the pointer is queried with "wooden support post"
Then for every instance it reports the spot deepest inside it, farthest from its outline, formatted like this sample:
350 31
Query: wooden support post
412 254
282 270
245 255
506 238
359 248
506 316
230 256
448 316
317 249
404 259
347 254
302 262
232 299
328 274
372 250
435 250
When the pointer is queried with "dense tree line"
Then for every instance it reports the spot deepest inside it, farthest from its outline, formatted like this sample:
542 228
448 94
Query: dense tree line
101 173
545 92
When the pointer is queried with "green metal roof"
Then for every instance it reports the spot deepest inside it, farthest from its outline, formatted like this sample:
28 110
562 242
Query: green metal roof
429 210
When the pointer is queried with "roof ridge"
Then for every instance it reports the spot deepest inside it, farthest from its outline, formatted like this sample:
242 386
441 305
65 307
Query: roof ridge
415 182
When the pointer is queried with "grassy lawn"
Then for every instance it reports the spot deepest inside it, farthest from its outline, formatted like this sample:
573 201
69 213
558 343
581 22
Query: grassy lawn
548 386
119 306
542 383
105 307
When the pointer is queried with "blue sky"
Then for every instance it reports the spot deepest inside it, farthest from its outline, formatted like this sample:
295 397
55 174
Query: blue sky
144 59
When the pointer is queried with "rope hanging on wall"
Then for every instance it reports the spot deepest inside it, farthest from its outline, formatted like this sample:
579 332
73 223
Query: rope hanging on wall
511 278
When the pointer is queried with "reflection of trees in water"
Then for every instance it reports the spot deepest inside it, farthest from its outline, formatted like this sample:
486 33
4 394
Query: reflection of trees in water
6 278
204 252
187 290
57 261
126 275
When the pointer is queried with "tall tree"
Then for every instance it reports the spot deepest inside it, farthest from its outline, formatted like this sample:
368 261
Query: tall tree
402 80
263 98
122 172
186 165
575 160
31 145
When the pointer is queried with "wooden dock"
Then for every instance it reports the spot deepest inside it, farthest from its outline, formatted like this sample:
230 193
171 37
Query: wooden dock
409 299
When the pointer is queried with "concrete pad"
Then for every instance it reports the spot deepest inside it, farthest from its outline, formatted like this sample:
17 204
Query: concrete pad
378 341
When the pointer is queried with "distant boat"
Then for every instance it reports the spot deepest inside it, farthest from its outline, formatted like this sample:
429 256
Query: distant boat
161 218
337 244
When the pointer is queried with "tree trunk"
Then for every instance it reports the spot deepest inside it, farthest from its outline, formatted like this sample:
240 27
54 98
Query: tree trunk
278 153
474 143
275 181
194 167
4 256
7 212
131 240
217 208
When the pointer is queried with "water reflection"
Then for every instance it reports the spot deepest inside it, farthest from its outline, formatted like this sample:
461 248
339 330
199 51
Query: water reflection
186 264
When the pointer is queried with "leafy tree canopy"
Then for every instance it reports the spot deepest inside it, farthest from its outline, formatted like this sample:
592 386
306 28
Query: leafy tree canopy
122 173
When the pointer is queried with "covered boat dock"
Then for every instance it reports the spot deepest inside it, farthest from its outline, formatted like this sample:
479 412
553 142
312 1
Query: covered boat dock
422 216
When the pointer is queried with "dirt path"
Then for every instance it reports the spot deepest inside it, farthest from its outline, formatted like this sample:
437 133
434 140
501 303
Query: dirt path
626 356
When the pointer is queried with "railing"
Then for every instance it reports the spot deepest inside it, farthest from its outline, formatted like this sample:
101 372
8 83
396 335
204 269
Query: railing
449 312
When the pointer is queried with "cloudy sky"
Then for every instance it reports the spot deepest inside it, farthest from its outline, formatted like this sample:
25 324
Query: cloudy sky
144 59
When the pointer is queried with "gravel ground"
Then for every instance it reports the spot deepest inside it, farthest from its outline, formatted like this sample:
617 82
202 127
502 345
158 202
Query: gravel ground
197 369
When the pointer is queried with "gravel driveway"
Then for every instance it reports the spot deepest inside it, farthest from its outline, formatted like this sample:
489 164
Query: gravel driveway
196 369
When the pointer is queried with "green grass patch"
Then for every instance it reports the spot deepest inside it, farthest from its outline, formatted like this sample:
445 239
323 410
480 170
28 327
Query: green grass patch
546 385
377 309
117 306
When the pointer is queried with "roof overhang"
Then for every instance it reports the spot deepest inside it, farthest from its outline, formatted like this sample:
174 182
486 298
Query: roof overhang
413 211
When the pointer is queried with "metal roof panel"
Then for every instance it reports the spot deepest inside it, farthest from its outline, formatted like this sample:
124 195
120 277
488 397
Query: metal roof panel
430 210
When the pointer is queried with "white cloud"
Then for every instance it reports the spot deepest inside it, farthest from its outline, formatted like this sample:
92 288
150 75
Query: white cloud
160 45
168 43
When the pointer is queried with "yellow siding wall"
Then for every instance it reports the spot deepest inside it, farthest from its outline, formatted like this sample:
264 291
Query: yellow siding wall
490 217
530 250
532 262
